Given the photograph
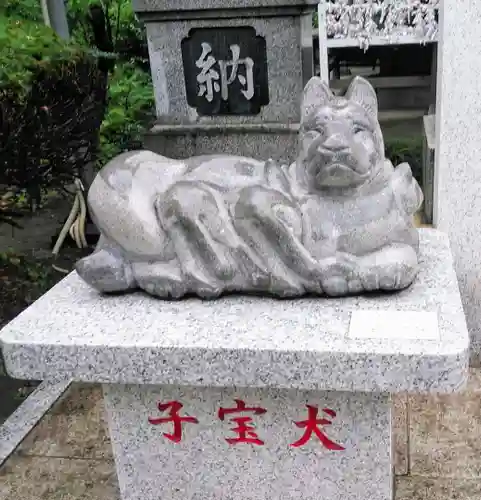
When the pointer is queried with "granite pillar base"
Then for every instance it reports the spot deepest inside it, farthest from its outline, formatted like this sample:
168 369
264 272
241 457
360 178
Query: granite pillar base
250 444
276 141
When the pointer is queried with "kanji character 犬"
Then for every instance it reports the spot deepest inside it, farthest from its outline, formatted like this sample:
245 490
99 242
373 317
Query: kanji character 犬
312 427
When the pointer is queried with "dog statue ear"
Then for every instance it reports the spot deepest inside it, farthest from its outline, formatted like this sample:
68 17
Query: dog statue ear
361 92
316 93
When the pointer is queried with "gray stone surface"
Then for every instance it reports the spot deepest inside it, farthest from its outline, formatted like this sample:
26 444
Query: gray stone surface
195 5
429 122
285 75
429 144
457 200
203 465
307 344
338 221
286 27
258 141
28 414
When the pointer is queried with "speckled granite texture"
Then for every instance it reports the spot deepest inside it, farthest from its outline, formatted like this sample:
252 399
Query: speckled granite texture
242 140
195 5
284 68
336 222
307 344
203 465
28 414
457 200
287 29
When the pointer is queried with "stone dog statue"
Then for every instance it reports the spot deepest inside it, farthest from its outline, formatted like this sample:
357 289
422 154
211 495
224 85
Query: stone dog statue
338 221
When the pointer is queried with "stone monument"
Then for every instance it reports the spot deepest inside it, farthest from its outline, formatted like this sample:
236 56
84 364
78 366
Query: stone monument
337 221
251 398
228 75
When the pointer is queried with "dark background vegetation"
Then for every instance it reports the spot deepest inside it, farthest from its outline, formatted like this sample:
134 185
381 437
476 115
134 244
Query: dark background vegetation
66 107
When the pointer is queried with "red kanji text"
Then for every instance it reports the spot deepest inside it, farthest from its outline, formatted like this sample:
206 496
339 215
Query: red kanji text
174 417
245 431
312 426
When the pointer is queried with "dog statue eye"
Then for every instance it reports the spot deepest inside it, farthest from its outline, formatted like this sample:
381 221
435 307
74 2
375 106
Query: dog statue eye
358 128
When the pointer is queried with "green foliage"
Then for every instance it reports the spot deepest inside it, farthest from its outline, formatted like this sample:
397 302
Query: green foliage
43 132
120 12
8 210
52 98
29 270
409 150
130 109
123 33
111 26
29 48
23 280
21 9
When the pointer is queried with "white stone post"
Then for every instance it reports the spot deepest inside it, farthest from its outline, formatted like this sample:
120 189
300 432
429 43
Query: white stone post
457 180
323 52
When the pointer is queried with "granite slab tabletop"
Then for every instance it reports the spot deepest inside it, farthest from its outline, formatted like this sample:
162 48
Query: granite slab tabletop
415 340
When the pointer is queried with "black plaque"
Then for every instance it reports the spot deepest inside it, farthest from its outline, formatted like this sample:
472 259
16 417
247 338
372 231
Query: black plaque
225 71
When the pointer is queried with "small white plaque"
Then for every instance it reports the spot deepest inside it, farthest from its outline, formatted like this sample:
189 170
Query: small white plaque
412 325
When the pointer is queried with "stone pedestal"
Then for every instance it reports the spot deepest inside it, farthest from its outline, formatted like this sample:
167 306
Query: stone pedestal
346 454
304 384
228 76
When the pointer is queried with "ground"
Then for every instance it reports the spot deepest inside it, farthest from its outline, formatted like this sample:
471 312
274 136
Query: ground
26 270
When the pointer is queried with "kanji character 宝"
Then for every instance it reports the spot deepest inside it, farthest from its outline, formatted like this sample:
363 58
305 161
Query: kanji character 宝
174 417
311 426
246 433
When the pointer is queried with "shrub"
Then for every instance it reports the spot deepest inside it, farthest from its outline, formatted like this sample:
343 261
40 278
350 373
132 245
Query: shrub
111 26
8 212
22 9
52 101
409 150
130 109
